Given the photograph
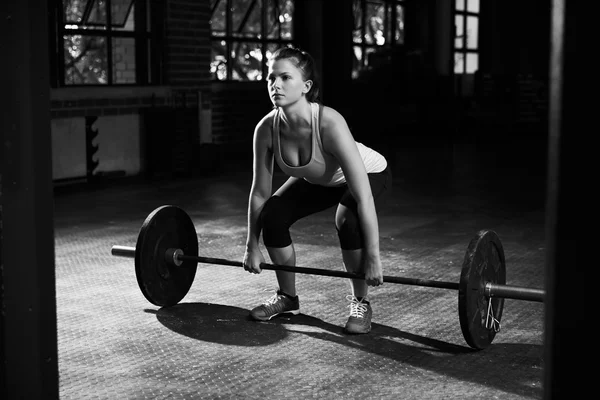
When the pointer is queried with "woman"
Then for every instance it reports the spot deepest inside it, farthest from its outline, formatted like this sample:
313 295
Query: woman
313 145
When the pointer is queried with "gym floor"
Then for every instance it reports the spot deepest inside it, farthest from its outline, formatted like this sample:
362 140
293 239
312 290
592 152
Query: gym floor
114 344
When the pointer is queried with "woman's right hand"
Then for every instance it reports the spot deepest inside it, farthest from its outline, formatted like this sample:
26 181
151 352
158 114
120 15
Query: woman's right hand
252 261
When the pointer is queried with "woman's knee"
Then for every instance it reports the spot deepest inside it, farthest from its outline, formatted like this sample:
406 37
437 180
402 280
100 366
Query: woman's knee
348 229
274 222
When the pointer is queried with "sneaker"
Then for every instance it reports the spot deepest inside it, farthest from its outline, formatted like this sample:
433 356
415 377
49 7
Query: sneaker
278 304
360 316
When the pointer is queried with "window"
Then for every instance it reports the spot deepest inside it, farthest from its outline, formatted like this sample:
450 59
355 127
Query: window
377 24
104 42
466 46
245 33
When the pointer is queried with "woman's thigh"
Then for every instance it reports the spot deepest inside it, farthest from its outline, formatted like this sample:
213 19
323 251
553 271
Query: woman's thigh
300 198
380 183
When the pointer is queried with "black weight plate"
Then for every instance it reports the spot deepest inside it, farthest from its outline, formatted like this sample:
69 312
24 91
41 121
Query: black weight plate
162 283
484 262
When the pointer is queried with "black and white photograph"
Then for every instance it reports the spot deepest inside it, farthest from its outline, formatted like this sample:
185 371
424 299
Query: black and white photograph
292 199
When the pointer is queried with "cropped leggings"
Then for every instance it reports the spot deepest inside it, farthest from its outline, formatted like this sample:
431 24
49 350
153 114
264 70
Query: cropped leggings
302 198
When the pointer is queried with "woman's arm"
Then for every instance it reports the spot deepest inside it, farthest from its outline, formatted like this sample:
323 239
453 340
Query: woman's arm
338 141
260 191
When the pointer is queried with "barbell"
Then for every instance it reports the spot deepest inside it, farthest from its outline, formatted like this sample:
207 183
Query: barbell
166 259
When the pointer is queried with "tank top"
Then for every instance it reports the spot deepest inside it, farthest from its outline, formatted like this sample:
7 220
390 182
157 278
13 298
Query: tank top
322 168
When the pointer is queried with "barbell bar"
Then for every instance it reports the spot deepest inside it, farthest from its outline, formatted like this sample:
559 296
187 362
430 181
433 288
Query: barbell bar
176 257
166 260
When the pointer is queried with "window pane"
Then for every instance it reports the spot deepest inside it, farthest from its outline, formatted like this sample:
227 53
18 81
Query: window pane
122 15
459 63
357 62
357 27
217 21
387 29
73 11
97 14
375 23
271 48
76 17
472 32
246 61
460 5
245 15
459 38
472 63
85 60
123 53
218 60
287 23
473 6
279 19
399 33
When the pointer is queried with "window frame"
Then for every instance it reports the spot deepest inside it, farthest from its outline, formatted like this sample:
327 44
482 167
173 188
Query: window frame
146 34
391 17
464 50
229 38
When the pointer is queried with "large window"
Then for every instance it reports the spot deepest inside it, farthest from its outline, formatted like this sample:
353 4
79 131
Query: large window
103 42
377 24
244 35
466 46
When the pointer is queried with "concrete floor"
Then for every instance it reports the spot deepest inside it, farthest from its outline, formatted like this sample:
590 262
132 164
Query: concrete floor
114 344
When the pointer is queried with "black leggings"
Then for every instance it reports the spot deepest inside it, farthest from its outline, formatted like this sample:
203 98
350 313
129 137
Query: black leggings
303 198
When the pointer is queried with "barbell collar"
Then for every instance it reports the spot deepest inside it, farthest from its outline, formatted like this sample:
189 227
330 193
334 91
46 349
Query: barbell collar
173 256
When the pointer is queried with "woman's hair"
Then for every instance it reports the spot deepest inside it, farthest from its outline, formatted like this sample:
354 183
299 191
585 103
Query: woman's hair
305 63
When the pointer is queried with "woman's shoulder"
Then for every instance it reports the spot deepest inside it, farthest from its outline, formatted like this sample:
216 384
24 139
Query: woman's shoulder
331 118
264 128
266 122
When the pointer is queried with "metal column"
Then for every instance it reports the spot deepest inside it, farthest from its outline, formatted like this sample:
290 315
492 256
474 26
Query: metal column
28 337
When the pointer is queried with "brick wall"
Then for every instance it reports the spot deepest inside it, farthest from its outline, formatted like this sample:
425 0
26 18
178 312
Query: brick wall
78 102
237 108
124 60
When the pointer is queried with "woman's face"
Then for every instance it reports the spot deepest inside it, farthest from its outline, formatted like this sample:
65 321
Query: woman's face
285 83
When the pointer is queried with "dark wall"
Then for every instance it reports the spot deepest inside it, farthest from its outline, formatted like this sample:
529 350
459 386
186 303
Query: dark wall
512 86
515 40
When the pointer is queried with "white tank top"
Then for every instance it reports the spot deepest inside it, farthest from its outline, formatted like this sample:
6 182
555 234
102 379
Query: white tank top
322 168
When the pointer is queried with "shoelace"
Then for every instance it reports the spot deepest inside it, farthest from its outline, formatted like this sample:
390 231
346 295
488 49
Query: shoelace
357 309
273 299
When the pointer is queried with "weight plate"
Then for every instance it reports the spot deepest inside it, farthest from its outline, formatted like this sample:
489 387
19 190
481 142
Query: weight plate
163 283
484 262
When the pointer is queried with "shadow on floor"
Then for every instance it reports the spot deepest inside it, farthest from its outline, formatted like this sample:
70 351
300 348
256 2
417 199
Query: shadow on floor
494 366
